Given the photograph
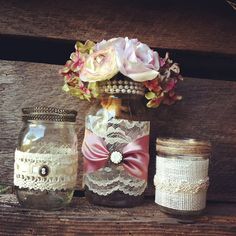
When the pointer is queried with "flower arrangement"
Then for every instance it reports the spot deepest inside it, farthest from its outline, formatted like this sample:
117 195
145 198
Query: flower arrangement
92 63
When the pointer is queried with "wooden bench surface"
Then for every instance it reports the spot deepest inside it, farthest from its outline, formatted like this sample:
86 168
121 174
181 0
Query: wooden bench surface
83 218
203 26
207 111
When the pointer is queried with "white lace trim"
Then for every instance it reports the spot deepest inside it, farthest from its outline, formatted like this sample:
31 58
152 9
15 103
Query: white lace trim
181 184
40 171
117 133
108 180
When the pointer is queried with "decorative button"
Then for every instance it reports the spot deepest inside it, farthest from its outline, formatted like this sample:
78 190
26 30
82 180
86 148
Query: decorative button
44 170
116 157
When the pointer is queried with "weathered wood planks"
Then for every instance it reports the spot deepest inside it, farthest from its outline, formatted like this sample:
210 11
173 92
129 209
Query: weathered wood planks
185 25
85 219
208 111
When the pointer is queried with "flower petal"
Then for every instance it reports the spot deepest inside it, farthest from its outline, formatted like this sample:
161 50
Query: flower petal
99 66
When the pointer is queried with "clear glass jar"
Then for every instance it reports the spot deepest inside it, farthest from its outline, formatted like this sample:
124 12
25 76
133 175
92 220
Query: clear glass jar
181 179
116 145
46 159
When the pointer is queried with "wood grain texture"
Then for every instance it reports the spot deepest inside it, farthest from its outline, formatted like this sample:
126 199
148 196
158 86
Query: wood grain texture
85 219
186 25
208 111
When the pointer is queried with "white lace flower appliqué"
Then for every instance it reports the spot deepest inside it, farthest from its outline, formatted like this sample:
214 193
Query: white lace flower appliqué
116 157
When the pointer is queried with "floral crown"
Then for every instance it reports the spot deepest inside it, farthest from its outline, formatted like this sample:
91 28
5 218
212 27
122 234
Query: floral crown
92 63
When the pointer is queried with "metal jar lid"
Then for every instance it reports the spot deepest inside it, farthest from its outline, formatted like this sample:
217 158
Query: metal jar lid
48 114
183 147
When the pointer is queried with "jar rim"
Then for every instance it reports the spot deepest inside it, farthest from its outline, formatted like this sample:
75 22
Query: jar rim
183 147
183 141
44 113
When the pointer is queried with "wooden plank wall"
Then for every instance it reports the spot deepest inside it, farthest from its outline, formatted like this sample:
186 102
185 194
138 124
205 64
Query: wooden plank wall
200 35
203 26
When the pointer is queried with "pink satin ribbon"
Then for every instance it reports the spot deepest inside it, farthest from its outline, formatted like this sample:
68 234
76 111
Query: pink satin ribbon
135 155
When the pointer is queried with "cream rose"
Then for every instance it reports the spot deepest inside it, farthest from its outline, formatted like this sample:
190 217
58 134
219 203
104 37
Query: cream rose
134 59
100 65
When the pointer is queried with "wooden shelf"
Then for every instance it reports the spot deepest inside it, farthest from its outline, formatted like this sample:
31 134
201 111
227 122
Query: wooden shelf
83 218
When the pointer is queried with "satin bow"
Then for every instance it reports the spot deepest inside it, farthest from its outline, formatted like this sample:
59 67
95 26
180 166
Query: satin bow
135 155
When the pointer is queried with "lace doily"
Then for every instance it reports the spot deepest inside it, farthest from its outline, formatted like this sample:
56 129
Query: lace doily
181 184
40 171
110 179
116 133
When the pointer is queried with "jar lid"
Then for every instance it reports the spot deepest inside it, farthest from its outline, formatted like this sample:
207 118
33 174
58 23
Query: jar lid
183 147
49 114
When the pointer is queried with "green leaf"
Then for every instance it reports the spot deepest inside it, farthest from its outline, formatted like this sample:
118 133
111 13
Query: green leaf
66 88
150 95
93 87
85 48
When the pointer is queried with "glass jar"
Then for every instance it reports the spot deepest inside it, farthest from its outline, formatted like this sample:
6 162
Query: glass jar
181 179
46 159
116 145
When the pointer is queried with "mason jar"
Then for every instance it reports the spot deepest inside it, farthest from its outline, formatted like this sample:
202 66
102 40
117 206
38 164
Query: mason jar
46 159
181 179
116 145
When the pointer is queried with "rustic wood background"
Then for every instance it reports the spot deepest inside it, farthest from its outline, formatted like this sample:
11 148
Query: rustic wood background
205 26
207 111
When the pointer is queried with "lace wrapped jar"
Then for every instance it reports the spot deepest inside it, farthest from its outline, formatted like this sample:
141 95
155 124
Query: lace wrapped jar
116 145
181 179
46 160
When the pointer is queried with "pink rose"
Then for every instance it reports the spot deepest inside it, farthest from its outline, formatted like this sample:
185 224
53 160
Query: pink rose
134 59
